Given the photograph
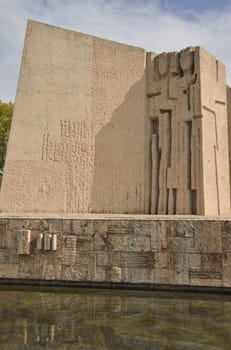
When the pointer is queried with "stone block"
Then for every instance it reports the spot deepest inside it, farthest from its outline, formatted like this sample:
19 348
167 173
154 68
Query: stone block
3 256
163 276
100 274
129 242
205 275
162 260
140 275
226 236
69 242
181 245
76 273
227 269
47 241
137 259
2 235
208 237
212 261
120 227
31 267
24 240
159 238
68 257
83 227
180 267
8 270
51 272
11 239
101 241
84 242
85 257
108 259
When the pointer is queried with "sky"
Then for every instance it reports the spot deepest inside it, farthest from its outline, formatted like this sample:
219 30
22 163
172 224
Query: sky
156 25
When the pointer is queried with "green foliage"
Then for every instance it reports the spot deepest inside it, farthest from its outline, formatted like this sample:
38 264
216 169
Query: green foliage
6 111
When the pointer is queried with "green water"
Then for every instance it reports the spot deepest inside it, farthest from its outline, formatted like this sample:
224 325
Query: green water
89 319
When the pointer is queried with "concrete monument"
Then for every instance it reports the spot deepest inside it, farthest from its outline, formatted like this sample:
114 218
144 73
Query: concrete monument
103 127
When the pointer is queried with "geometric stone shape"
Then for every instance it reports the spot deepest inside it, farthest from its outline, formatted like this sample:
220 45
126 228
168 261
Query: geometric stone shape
133 242
54 242
24 239
39 242
47 241
137 259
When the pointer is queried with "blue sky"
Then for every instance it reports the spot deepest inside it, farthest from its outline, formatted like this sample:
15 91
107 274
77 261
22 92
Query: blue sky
156 25
199 5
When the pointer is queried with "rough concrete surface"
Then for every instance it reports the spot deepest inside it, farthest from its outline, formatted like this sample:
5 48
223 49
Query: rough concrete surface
78 132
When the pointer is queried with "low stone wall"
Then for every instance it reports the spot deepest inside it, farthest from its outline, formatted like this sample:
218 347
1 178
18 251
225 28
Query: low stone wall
141 249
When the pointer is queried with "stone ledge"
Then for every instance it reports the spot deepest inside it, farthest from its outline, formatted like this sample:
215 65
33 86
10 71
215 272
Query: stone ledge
6 283
136 217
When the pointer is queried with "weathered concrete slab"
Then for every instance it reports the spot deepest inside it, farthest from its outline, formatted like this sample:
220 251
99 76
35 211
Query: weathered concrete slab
77 139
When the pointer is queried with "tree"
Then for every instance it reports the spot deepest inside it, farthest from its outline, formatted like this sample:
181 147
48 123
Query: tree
6 111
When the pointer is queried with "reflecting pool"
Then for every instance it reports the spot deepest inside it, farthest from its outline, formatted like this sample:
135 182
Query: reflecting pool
102 319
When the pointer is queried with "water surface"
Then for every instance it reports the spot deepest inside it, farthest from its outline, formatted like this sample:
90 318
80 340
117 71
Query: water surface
70 319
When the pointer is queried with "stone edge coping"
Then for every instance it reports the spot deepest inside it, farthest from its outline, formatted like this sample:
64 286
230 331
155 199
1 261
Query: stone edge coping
124 217
19 284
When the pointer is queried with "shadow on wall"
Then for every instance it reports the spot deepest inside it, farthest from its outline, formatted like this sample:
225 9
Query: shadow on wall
120 150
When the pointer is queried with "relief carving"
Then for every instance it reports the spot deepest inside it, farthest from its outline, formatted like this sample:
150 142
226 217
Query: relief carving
175 134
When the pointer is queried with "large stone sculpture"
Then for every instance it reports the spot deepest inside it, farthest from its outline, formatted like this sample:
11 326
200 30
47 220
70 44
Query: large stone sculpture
102 127
188 121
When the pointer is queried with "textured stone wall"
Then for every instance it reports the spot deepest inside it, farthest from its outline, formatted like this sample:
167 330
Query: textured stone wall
77 141
192 252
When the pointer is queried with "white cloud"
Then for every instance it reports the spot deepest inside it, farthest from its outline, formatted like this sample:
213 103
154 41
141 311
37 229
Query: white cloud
142 23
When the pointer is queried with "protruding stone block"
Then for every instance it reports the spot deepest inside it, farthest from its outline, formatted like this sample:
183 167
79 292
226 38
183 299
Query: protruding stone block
54 242
39 242
47 241
24 239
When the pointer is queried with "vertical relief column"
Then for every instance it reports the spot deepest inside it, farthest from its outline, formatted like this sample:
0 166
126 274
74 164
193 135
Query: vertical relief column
160 115
155 154
165 160
187 85
174 103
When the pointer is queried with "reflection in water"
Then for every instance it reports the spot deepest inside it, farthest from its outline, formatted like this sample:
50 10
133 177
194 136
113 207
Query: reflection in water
89 319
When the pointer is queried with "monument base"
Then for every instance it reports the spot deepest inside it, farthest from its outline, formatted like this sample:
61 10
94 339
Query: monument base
188 253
